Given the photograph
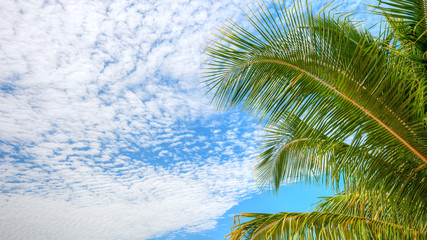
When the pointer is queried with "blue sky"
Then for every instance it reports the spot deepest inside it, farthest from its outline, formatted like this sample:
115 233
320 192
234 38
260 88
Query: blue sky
105 128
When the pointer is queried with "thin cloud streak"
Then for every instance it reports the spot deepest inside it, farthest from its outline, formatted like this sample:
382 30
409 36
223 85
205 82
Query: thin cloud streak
102 111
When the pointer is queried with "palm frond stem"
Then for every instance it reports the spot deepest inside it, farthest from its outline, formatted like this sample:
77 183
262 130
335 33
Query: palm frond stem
345 97
409 178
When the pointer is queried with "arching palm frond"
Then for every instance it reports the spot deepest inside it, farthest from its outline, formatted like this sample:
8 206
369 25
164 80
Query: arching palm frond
309 72
340 106
351 215
408 20
374 205
309 155
317 225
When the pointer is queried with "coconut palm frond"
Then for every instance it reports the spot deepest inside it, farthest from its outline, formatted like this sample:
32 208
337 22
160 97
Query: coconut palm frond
292 150
408 20
317 225
374 205
340 107
310 72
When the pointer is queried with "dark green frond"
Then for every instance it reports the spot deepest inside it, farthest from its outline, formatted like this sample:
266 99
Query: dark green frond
408 20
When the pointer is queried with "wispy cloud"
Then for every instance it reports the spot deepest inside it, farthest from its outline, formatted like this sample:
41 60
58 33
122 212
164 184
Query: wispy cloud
104 125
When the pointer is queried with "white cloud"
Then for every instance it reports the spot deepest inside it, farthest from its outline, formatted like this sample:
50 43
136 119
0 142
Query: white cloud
90 94
142 203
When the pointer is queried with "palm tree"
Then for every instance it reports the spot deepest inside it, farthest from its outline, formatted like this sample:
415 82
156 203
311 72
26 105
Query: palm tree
341 107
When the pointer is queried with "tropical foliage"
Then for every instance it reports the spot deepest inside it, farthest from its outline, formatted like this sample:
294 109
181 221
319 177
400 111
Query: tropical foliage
340 106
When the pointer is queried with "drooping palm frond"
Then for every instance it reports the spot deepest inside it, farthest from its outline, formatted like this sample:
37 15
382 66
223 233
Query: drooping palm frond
317 225
309 71
330 75
408 20
350 215
312 156
339 105
374 205
408 25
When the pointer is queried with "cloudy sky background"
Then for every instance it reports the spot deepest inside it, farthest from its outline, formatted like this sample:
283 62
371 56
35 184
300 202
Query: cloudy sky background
105 131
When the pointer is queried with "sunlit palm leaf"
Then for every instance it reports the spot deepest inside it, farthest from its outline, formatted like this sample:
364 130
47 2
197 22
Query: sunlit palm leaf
318 225
330 75
315 157
340 106
374 205
408 21
304 67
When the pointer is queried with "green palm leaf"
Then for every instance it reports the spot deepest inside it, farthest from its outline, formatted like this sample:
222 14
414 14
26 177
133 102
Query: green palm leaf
297 75
372 205
318 225
341 107
315 157
408 20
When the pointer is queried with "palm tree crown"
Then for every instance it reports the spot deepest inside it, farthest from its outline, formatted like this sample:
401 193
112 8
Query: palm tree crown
340 106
